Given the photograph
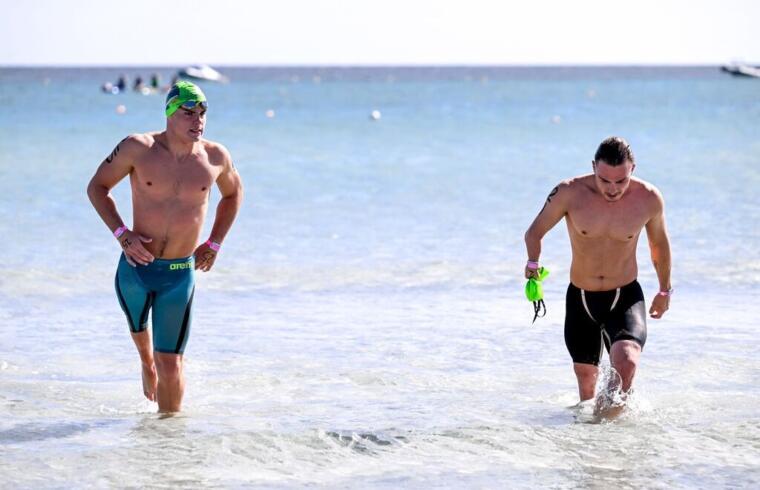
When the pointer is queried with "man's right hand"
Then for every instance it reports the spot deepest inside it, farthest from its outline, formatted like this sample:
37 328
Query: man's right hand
135 253
531 270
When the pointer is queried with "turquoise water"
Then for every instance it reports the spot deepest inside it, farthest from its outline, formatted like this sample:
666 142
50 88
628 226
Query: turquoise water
364 325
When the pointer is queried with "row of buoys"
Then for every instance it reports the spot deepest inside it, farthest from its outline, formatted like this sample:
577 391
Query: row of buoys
375 115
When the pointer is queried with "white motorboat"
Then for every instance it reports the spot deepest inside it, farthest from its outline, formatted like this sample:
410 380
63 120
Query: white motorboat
203 72
742 70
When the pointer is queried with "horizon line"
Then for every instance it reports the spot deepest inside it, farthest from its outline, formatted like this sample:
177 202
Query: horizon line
379 65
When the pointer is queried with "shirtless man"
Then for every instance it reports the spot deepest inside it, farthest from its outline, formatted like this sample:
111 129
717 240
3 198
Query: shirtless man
171 173
605 213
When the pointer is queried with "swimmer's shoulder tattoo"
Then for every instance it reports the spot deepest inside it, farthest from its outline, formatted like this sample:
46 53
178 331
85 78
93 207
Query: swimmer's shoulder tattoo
549 198
115 151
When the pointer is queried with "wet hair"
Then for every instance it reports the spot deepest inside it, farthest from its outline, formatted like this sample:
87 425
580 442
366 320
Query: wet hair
614 151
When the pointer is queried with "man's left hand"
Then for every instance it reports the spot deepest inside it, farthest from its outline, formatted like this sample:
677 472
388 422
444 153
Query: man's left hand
204 257
660 304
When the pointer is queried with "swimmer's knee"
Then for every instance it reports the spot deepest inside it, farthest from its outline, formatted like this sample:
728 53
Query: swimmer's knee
584 371
625 351
625 357
168 366
626 366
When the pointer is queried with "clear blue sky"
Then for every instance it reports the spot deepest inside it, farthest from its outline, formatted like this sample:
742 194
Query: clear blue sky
369 32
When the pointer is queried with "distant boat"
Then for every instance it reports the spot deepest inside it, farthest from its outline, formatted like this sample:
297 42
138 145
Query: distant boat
203 72
741 70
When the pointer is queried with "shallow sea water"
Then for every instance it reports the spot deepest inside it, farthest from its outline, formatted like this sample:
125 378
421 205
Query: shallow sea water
365 324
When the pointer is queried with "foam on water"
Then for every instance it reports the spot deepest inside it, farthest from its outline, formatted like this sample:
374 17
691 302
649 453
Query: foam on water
461 396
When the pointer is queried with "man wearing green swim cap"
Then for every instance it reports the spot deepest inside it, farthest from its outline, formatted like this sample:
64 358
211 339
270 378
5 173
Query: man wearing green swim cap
605 212
171 173
185 94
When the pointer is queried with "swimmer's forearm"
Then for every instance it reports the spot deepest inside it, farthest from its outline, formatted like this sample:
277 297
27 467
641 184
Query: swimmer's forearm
226 211
101 200
661 259
533 245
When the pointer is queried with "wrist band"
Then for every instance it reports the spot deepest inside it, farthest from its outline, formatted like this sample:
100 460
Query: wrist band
532 264
667 293
213 245
119 231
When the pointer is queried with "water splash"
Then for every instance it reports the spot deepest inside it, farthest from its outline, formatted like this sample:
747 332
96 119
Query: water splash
610 399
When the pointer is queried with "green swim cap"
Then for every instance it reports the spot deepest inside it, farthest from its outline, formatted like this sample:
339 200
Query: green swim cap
184 94
534 291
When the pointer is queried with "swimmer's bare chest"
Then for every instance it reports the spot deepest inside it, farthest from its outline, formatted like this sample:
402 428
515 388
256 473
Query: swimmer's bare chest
618 222
604 236
162 179
169 199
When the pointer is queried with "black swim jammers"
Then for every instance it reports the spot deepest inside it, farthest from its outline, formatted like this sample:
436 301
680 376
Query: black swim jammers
597 319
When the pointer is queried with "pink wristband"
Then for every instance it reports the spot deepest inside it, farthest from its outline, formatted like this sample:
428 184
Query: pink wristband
119 231
667 293
532 265
213 245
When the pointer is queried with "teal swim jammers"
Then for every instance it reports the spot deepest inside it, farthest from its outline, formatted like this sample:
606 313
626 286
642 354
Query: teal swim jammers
166 286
